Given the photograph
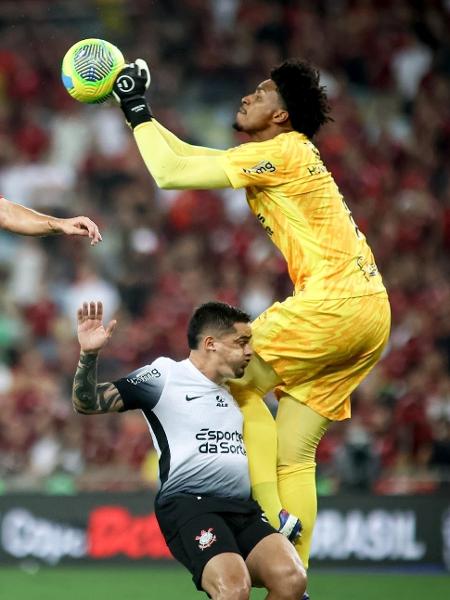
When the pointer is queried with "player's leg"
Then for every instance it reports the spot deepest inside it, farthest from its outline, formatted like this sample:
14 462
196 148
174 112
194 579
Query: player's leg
270 557
280 341
306 408
274 564
260 434
206 546
300 430
226 577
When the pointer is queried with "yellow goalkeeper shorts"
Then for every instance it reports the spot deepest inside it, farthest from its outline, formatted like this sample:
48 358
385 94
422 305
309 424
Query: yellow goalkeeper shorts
321 350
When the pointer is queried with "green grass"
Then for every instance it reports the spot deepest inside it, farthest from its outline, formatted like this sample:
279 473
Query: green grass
173 583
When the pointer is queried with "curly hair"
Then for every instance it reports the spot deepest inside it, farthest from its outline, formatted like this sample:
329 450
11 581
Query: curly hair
303 96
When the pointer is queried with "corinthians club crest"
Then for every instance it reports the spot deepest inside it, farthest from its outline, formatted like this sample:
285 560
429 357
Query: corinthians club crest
206 538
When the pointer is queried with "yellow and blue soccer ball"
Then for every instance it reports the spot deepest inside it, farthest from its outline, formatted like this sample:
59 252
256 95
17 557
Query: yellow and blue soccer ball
89 69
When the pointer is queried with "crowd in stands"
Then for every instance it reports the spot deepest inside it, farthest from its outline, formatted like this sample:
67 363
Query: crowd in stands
386 66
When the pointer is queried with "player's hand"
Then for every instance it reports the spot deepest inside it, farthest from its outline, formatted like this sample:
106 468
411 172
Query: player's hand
129 90
79 226
92 335
133 80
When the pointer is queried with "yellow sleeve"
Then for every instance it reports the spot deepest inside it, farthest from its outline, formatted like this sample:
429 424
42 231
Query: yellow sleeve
255 163
173 171
183 148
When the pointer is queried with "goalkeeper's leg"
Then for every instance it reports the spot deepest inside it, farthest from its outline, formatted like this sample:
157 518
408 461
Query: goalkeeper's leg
260 434
300 430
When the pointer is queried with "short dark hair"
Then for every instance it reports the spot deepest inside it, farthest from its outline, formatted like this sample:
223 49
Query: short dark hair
215 315
303 96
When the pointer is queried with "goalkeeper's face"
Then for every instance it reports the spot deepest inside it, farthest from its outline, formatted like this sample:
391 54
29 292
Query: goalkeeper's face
232 351
260 110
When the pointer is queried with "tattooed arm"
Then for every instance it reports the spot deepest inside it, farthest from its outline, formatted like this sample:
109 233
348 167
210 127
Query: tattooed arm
90 397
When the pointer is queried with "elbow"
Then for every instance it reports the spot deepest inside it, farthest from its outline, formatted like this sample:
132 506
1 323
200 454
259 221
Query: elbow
80 410
164 182
167 178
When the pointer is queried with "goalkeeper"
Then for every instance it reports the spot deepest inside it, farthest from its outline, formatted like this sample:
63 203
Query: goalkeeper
320 343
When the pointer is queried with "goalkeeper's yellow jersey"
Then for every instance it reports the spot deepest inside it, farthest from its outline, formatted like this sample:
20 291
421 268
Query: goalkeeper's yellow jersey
296 200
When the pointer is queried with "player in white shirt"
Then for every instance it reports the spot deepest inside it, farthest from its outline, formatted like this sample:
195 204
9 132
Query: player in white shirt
204 508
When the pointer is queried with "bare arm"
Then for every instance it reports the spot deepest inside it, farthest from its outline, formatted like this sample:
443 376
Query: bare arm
90 397
25 221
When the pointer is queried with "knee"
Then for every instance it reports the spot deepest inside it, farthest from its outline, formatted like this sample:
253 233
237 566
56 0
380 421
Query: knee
233 589
295 583
289 581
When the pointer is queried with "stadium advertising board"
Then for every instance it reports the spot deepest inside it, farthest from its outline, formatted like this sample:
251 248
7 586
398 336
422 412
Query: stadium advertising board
113 528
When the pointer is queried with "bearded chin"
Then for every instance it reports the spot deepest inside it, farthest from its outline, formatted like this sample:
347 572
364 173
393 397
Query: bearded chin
237 126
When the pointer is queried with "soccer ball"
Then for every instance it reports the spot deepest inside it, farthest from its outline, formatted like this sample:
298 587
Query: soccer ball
89 69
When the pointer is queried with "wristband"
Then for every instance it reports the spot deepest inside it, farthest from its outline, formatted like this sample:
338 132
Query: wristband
136 110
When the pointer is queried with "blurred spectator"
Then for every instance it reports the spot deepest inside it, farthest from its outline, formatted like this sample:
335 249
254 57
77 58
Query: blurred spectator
87 286
356 462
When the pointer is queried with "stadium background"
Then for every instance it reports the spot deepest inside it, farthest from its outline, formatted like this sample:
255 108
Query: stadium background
387 69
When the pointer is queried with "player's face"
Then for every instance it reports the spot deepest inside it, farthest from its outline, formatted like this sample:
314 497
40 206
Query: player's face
233 351
258 109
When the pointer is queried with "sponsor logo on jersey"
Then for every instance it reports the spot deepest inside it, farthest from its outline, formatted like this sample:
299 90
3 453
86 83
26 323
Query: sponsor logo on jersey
265 166
216 441
143 377
317 169
221 401
369 270
189 398
262 220
206 538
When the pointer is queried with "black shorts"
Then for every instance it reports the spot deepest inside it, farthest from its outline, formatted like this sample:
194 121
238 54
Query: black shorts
196 528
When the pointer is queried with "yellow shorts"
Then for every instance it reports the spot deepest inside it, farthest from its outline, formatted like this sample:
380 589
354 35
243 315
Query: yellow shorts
321 350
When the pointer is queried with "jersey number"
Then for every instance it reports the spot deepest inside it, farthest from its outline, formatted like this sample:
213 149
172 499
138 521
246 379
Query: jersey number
352 220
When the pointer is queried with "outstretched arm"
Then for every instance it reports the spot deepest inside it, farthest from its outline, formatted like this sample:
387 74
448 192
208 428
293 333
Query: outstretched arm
173 171
20 219
183 148
172 163
88 396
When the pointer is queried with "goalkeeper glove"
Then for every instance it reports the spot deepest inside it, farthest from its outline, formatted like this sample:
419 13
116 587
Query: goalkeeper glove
129 91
